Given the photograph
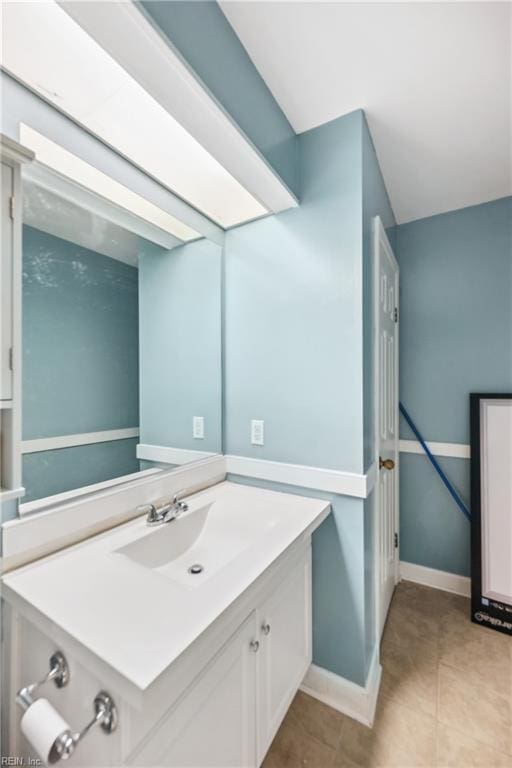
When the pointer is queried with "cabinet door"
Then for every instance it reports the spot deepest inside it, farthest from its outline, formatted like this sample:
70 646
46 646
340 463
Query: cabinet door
6 282
285 649
214 722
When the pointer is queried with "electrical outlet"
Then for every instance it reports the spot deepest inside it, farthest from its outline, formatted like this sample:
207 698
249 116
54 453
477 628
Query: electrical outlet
257 432
198 427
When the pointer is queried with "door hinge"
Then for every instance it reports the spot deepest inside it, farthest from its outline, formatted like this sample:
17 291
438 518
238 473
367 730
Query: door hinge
11 367
396 540
11 207
396 314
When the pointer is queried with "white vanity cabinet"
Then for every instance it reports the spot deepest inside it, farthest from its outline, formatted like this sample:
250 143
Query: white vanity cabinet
232 710
284 654
214 722
220 705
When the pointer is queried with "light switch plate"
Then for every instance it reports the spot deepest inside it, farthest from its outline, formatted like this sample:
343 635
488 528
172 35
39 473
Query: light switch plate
198 427
257 432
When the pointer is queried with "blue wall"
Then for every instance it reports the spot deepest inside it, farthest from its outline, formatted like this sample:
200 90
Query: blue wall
50 472
180 345
80 360
293 346
294 358
455 338
339 606
8 511
203 36
433 530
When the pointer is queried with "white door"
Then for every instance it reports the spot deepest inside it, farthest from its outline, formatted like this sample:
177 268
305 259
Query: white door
213 725
285 649
386 415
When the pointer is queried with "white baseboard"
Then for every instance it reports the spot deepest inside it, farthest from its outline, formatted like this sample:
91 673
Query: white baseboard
356 701
430 577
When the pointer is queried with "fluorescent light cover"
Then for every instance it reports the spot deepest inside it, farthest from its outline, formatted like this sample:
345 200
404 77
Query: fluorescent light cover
46 49
72 167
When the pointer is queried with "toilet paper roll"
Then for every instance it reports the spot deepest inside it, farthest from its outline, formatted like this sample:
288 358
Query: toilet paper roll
41 725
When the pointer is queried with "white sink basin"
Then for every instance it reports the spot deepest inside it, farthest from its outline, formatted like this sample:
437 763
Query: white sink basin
129 588
204 540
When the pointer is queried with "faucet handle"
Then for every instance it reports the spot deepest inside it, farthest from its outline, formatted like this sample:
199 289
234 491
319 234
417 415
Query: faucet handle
177 503
151 512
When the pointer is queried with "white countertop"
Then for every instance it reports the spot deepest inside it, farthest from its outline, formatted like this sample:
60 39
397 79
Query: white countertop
139 619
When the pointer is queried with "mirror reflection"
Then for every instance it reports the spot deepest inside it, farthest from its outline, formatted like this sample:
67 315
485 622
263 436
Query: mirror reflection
121 344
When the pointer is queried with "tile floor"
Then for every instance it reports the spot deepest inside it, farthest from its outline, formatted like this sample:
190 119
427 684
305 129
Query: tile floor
445 697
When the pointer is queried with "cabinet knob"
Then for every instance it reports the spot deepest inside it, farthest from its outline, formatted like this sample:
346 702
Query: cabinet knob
265 628
254 645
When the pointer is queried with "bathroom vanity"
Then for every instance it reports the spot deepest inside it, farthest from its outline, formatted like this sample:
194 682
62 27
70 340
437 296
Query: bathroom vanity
199 629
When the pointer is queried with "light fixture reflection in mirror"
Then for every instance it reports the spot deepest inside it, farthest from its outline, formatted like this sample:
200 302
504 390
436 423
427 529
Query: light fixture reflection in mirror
121 349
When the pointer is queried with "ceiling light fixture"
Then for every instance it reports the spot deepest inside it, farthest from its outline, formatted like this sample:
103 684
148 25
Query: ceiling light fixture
48 51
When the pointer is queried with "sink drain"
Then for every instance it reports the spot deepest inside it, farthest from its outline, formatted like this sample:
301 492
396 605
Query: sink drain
195 569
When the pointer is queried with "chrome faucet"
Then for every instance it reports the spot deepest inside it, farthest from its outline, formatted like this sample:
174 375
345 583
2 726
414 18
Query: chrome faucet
165 511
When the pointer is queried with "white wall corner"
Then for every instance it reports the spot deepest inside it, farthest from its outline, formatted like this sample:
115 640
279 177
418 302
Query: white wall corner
357 701
431 577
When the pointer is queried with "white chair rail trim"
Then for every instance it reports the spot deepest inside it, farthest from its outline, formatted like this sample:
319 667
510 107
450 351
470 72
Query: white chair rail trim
69 441
328 480
74 516
168 455
451 450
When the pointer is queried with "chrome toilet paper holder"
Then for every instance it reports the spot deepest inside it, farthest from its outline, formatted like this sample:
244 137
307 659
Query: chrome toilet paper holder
105 715
105 710
59 673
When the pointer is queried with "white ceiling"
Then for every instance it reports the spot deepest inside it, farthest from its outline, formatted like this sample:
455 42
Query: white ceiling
433 78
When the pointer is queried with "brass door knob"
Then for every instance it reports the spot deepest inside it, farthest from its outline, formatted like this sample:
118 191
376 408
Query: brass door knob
386 463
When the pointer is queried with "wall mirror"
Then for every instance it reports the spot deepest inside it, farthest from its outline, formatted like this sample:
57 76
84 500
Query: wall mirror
121 329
